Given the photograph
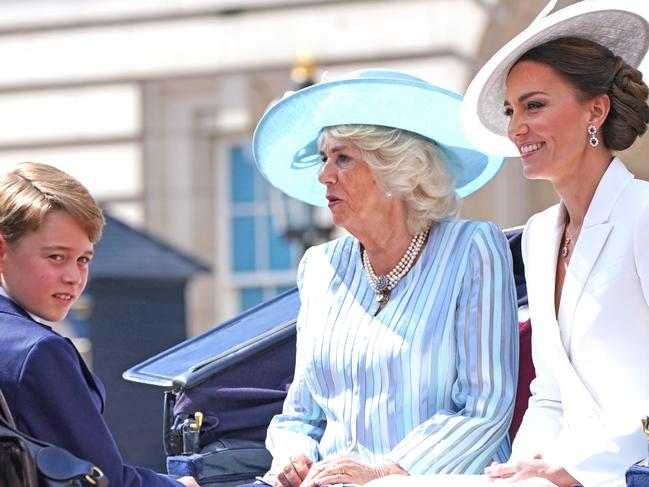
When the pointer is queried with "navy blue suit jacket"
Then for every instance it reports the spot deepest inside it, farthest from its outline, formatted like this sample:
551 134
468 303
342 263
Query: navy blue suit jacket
54 397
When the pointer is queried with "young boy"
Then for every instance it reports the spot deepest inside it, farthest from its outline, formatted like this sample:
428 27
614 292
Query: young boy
48 226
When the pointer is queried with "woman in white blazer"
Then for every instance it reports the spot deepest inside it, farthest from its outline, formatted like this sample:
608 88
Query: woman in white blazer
572 96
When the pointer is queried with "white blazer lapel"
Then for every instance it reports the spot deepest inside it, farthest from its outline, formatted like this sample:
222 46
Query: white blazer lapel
541 272
585 254
593 235
543 240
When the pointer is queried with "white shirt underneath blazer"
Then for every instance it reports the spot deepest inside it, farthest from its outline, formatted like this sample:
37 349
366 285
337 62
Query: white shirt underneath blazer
592 363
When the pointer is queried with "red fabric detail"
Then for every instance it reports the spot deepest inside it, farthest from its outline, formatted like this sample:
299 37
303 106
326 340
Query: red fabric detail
526 373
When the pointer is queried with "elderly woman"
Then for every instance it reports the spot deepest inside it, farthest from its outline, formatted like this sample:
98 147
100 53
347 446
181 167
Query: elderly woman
571 97
407 333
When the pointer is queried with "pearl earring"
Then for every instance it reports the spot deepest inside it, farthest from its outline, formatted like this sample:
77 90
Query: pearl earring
593 140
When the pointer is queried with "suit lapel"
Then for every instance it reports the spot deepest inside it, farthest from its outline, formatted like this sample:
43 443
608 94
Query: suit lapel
91 379
594 233
8 306
589 246
543 244
541 276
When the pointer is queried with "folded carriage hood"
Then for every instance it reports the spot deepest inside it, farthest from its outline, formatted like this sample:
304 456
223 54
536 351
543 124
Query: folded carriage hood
230 342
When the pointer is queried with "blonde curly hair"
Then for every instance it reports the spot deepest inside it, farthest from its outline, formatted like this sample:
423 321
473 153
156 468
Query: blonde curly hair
407 165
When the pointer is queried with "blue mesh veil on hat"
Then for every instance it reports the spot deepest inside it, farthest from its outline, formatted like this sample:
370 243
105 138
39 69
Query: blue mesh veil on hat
285 143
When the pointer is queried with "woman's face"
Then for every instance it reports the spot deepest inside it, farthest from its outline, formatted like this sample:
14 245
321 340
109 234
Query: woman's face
355 197
546 121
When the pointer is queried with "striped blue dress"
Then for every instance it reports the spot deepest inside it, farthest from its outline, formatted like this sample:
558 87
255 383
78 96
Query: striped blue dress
427 382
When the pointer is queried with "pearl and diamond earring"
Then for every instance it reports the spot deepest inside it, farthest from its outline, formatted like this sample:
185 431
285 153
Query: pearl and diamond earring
593 140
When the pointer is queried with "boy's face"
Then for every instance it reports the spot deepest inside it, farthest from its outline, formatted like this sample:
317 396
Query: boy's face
46 270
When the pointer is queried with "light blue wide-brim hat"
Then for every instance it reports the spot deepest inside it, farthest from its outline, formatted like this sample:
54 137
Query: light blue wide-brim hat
285 143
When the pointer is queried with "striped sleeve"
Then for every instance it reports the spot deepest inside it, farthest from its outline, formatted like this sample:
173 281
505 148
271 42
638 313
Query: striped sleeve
300 427
486 337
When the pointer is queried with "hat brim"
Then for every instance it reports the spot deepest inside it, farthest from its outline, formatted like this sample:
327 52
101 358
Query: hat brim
620 25
285 143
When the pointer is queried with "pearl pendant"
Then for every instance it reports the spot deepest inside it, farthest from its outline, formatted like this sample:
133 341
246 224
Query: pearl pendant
383 284
382 298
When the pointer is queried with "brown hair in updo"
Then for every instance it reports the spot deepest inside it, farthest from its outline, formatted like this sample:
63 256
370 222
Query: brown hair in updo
593 69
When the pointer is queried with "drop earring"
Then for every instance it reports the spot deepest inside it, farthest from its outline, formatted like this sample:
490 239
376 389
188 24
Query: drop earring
593 140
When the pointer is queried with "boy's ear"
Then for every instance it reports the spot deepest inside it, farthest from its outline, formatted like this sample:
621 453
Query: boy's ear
3 251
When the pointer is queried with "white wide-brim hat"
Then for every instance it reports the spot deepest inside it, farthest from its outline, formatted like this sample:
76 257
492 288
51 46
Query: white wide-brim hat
285 143
620 25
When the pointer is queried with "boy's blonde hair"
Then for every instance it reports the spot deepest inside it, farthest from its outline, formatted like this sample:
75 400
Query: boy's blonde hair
32 190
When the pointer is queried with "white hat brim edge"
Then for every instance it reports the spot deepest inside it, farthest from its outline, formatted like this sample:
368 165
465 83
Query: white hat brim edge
477 133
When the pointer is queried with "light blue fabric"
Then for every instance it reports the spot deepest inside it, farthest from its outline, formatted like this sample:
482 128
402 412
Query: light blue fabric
285 142
429 382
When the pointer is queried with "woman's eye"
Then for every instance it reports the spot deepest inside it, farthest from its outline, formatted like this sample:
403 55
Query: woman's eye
508 112
55 257
343 159
533 105
83 260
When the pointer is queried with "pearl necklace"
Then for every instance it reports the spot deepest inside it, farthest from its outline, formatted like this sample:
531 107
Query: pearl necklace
382 285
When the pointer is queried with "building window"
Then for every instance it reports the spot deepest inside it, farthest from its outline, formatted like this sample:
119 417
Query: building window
263 263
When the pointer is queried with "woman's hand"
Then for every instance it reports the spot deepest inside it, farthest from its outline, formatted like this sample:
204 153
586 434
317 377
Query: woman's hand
339 470
289 473
521 469
188 481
